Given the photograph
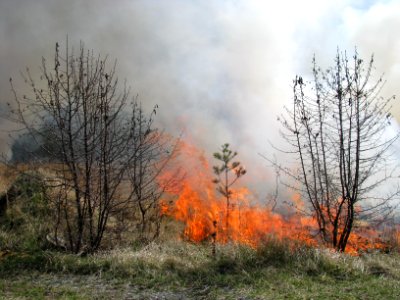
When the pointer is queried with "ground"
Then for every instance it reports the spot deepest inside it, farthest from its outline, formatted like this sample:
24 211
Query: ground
180 270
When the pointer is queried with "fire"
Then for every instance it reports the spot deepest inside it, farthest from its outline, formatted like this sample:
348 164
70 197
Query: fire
203 212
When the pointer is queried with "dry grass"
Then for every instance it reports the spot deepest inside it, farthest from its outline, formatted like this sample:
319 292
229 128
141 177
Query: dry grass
181 270
174 269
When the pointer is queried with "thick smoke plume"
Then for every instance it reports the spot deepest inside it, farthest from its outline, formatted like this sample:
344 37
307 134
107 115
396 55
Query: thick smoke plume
220 71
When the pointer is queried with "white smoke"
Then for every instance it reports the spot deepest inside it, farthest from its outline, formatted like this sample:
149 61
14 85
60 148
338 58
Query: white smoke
220 71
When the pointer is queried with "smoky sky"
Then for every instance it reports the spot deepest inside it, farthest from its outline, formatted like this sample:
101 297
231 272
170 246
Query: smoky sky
220 71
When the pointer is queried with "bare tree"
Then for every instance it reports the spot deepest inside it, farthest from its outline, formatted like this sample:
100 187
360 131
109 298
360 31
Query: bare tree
224 180
337 128
154 152
92 141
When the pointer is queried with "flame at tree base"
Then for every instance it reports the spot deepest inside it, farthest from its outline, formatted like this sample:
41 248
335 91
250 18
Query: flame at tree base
204 215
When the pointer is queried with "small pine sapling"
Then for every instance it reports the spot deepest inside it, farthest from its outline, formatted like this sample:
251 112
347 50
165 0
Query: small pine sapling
224 179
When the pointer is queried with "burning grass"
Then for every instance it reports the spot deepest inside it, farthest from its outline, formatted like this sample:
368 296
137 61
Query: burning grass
204 215
203 212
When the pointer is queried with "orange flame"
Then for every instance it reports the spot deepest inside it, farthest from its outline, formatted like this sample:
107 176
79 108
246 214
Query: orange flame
203 212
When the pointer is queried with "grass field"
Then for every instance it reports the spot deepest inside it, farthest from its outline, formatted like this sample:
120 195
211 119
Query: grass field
181 270
173 269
